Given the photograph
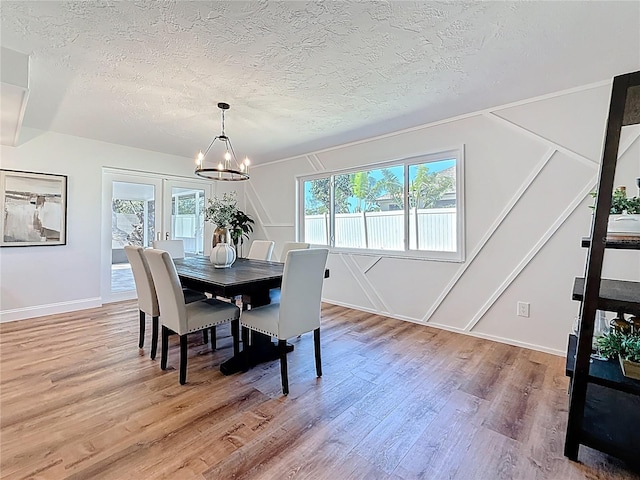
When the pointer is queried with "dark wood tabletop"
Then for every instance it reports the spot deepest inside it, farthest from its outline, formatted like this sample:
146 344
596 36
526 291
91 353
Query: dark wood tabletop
252 278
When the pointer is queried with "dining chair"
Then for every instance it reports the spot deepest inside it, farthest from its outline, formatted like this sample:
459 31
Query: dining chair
261 250
179 317
147 298
174 247
291 246
298 311
274 294
176 250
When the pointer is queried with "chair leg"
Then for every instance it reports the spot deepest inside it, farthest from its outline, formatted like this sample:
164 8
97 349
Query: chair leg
282 349
245 349
141 339
183 359
235 335
213 338
165 348
316 347
205 336
154 337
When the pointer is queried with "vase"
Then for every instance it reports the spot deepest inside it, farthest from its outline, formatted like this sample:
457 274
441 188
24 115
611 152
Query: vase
223 255
220 235
625 224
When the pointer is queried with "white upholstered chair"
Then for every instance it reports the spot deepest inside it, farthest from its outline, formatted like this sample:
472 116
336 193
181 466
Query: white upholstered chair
174 247
298 311
261 250
178 317
176 250
291 246
147 298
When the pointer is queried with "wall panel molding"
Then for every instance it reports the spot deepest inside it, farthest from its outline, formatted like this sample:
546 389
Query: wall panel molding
550 143
562 218
524 186
526 172
363 282
315 162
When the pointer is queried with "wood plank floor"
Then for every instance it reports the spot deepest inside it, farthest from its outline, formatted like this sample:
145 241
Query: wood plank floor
397 401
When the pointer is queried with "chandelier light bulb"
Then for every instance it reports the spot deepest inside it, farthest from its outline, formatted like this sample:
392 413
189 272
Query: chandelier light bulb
227 156
220 166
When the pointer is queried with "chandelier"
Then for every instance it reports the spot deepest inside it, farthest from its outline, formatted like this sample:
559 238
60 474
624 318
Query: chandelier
228 168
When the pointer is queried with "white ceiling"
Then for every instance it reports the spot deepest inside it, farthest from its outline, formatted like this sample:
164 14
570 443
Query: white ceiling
300 76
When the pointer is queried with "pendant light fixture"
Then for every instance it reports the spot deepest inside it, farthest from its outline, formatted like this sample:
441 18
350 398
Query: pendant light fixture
226 167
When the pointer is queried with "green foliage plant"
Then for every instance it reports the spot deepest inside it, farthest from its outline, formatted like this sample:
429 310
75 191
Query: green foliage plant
221 211
610 344
631 348
627 345
241 225
620 203
427 188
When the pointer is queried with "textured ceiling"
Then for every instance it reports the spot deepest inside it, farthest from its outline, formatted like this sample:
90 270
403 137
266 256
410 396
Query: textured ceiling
300 76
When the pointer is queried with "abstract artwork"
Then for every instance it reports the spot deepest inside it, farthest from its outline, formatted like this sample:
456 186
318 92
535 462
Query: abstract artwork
34 209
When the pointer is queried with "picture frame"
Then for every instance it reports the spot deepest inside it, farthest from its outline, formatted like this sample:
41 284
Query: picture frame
34 209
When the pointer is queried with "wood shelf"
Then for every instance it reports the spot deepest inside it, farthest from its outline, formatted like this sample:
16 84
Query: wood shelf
615 295
611 420
618 242
602 372
604 406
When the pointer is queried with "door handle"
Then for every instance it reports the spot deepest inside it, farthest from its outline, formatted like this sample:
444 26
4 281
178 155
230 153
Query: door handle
166 237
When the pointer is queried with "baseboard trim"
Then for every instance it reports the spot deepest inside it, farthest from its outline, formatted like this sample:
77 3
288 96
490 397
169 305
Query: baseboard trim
50 309
494 338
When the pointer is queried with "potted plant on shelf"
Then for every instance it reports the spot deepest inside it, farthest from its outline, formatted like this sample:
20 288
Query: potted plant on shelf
630 356
624 215
625 347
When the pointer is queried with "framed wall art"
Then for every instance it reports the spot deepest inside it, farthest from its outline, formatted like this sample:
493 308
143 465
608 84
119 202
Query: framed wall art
34 209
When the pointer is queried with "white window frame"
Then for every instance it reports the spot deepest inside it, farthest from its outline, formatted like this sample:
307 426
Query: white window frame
457 256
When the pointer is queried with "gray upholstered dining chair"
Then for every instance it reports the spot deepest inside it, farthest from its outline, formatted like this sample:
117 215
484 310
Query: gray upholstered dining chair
174 247
147 298
178 317
274 294
261 250
298 311
291 246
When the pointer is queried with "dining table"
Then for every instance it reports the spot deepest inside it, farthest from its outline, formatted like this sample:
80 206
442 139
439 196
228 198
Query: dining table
253 280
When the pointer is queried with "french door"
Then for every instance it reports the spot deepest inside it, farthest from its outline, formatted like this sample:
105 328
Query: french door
139 208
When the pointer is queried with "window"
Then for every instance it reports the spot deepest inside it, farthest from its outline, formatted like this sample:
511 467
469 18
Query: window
411 207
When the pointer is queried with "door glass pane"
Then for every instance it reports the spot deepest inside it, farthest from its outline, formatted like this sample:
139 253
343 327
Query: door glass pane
317 202
432 206
132 223
187 218
369 208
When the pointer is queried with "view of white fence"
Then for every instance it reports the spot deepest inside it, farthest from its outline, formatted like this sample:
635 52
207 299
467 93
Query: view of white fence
429 229
187 228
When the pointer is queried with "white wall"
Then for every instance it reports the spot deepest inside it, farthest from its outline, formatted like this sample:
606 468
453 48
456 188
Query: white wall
528 170
50 279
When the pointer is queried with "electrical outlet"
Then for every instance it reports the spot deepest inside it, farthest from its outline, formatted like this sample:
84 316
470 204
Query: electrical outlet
523 309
